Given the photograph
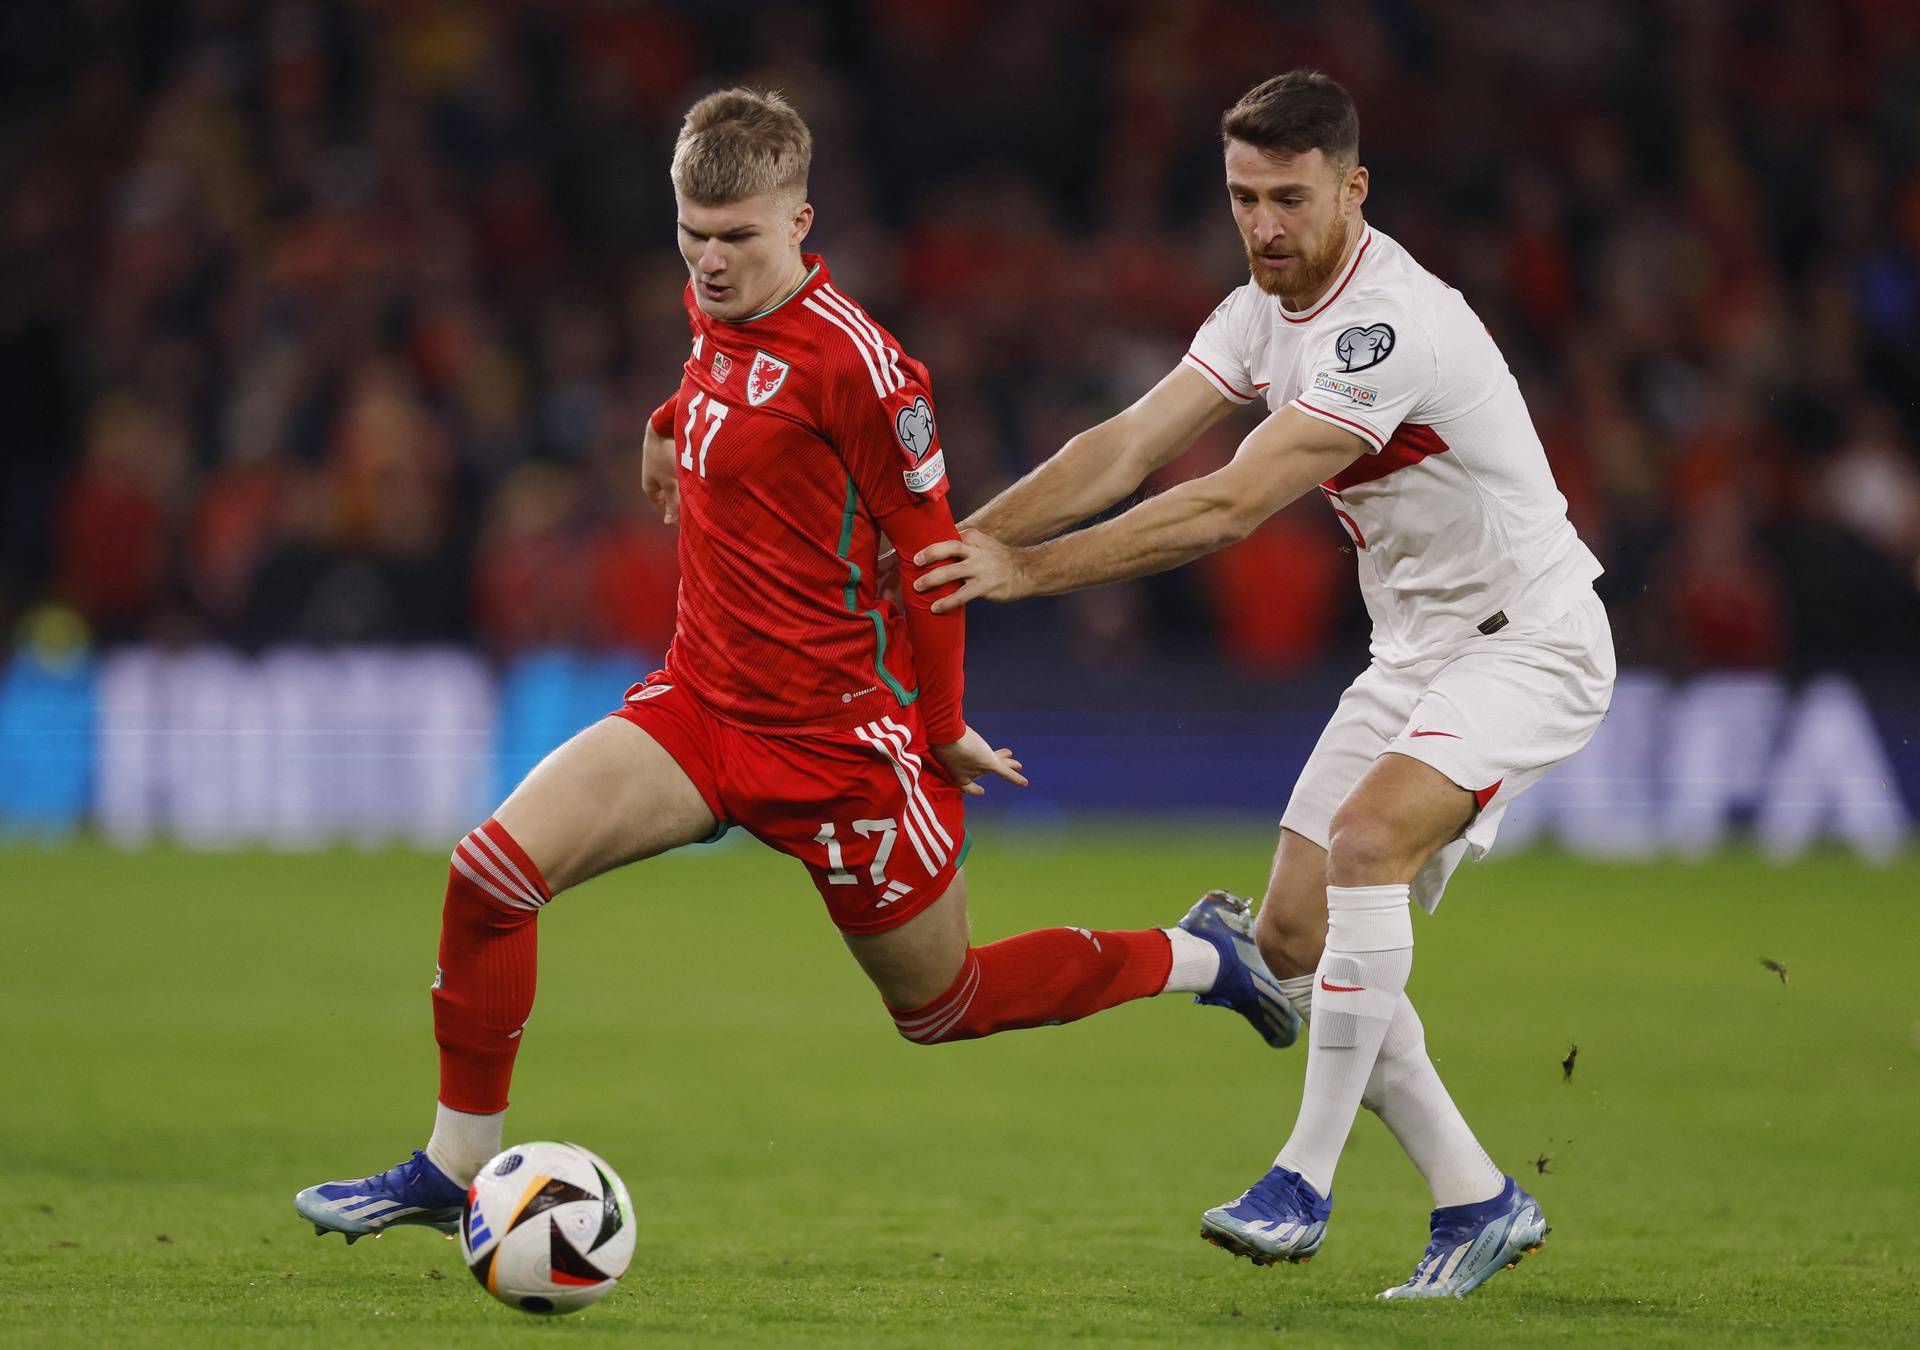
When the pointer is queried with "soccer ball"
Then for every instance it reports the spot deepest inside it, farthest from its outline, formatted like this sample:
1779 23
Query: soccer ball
547 1228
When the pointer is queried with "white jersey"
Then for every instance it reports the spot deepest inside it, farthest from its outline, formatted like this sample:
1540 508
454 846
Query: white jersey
1458 526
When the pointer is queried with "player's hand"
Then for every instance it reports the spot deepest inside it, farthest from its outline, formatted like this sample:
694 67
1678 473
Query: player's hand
985 568
971 757
657 475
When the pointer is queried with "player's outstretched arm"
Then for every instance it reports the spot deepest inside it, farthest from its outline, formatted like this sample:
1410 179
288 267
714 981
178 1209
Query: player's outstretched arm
1104 463
1285 456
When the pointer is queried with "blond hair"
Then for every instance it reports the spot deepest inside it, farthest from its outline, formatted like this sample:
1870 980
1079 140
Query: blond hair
740 143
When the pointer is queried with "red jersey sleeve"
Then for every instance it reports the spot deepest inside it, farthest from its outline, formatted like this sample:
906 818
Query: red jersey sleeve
661 419
884 429
939 640
881 421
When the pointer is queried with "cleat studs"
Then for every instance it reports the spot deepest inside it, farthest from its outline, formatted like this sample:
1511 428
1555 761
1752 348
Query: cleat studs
319 1230
353 1238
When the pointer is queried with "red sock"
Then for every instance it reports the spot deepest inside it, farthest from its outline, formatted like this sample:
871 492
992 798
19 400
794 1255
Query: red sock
1039 979
488 955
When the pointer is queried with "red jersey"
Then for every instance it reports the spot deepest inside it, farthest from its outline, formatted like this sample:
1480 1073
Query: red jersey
796 433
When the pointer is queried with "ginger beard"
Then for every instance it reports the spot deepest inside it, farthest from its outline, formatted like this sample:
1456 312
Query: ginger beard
1299 285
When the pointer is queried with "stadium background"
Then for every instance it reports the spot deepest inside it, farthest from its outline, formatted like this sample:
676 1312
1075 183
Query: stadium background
328 329
325 335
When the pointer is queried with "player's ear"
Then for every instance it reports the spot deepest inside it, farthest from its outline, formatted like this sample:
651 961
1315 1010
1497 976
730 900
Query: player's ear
1357 180
802 222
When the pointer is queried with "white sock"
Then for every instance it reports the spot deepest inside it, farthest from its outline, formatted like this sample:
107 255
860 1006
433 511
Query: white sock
1299 992
1405 1091
1196 963
1363 973
462 1142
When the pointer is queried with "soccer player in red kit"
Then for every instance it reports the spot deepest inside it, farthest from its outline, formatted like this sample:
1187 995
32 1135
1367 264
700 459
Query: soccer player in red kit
796 702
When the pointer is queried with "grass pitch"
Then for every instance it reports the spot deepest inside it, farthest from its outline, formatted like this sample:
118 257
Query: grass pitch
190 1038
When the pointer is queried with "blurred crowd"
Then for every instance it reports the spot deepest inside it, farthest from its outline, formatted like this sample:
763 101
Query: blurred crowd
337 320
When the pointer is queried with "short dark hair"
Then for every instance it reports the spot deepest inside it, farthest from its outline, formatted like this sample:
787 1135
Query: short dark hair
1296 112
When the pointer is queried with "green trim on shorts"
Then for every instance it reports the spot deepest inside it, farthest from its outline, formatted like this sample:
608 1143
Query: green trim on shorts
719 832
966 842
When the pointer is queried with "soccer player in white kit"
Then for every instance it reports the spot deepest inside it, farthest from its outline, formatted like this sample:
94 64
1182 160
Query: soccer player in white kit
1491 660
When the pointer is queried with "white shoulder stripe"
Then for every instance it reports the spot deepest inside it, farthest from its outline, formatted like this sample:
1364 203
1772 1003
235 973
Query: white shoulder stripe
870 328
859 344
884 356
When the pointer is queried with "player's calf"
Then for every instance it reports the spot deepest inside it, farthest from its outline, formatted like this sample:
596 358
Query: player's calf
1060 975
1037 979
484 985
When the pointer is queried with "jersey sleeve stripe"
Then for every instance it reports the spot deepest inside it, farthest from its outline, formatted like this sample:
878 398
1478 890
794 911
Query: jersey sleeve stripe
864 331
870 328
866 355
1214 377
1373 437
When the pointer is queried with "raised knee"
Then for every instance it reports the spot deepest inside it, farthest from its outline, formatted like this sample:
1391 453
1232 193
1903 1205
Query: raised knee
912 1039
1363 850
498 871
947 1017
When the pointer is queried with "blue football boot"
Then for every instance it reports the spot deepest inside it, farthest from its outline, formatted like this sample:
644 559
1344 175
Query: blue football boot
1244 983
1473 1243
1279 1218
414 1192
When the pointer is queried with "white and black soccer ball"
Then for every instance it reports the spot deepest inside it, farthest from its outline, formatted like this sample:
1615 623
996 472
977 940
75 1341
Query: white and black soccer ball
547 1227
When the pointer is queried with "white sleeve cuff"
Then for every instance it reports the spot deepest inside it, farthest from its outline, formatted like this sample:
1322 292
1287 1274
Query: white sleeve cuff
1213 377
1375 441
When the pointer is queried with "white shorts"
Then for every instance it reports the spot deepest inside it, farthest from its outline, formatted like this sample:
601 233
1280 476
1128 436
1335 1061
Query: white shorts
1493 717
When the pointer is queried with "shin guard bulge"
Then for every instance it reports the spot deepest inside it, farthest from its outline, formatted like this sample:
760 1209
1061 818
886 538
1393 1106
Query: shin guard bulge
483 993
1363 972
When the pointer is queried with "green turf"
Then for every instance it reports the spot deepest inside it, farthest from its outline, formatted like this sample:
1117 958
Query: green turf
188 1039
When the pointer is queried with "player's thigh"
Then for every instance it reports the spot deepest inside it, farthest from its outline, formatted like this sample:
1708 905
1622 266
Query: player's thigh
608 796
1489 724
1497 717
1372 710
1398 815
1291 928
881 834
915 963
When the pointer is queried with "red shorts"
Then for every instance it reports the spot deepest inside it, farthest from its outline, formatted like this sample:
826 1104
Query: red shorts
882 833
